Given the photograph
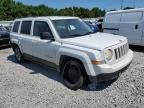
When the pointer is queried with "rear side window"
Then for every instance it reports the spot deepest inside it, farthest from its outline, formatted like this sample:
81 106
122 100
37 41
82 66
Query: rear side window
26 27
113 17
131 16
16 26
41 27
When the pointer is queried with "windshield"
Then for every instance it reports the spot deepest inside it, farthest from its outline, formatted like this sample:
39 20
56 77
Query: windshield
68 28
2 28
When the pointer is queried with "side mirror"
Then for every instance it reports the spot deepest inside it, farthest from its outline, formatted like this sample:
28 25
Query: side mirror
46 36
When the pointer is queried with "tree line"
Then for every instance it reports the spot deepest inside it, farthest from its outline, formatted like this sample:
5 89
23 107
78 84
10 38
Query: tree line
10 9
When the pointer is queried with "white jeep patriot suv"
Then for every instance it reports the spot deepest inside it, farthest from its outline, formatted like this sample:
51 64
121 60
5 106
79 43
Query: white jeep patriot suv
69 45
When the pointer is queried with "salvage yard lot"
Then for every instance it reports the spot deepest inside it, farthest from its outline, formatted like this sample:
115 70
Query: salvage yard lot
33 85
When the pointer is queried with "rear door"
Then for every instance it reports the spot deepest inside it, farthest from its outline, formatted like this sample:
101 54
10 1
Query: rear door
131 26
111 23
25 37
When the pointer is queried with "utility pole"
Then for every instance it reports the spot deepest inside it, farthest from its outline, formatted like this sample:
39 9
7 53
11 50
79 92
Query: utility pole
122 2
73 11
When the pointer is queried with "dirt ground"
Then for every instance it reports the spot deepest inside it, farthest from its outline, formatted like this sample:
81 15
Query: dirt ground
32 85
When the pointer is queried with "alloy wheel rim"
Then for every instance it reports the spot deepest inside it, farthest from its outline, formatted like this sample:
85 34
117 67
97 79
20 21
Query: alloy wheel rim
73 74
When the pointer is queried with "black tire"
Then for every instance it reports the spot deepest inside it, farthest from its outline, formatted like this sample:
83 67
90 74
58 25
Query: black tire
18 55
73 75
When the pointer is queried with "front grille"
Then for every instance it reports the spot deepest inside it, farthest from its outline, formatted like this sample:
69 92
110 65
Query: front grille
121 51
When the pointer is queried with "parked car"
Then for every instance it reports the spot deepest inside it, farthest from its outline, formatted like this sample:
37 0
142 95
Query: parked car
128 23
100 24
10 26
93 27
4 37
68 45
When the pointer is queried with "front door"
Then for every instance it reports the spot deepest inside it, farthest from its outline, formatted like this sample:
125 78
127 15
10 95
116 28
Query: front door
44 49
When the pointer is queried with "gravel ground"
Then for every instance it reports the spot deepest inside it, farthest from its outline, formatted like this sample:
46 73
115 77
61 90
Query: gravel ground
32 85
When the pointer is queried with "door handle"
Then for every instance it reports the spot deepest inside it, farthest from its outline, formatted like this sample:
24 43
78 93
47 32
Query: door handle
136 26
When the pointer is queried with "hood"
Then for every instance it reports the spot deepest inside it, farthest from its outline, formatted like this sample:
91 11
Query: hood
97 41
4 33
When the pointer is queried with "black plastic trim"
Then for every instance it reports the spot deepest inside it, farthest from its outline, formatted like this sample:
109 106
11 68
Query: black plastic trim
112 29
40 61
107 76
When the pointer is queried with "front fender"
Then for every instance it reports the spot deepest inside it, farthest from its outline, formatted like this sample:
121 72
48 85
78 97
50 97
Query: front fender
80 55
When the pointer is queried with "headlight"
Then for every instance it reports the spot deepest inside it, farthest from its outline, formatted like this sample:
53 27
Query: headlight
108 54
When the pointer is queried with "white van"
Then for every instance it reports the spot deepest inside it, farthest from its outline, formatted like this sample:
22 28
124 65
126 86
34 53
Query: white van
128 23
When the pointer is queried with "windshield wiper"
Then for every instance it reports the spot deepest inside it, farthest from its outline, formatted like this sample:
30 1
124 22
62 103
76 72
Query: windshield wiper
70 36
88 33
76 35
73 35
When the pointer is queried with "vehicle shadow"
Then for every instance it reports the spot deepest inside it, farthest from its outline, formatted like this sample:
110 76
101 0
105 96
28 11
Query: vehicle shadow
99 86
39 69
137 48
54 75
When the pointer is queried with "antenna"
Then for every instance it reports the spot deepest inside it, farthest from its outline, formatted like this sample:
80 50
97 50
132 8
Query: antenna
73 11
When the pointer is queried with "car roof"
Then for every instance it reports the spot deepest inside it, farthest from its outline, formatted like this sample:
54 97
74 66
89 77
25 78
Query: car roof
128 10
46 17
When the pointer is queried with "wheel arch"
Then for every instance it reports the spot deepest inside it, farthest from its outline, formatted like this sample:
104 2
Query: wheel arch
82 57
65 58
14 45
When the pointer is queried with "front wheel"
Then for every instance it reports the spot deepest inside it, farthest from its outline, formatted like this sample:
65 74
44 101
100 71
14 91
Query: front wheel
73 75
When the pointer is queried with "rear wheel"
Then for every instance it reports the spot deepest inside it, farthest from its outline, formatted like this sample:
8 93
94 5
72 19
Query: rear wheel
73 75
18 55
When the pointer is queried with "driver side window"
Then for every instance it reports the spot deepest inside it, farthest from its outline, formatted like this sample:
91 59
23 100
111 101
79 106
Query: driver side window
41 27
